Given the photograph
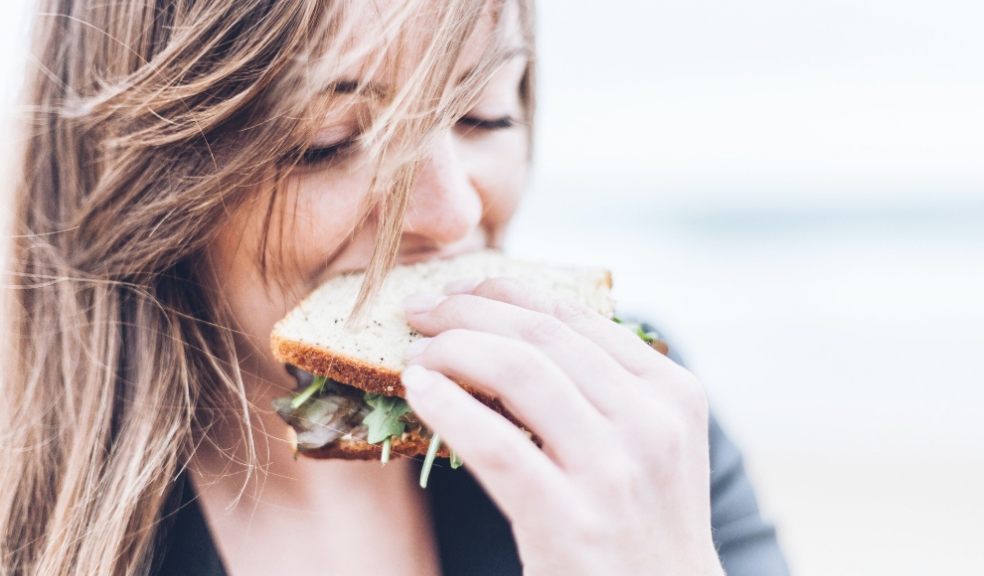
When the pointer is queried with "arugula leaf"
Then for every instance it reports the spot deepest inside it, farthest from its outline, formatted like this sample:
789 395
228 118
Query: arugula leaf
387 448
647 337
432 449
313 388
455 460
384 420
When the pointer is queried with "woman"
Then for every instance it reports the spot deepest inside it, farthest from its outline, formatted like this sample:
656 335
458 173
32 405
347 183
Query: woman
191 169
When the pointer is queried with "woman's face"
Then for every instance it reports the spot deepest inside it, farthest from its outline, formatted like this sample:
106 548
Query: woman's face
467 189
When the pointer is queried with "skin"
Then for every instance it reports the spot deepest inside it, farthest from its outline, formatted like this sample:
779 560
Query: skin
631 495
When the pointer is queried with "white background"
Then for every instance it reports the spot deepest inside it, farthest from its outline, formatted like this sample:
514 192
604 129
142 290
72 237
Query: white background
794 192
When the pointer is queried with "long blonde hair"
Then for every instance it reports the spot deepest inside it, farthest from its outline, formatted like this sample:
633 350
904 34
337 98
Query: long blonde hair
146 121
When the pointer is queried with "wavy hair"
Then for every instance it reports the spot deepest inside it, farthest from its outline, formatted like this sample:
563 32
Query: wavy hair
145 123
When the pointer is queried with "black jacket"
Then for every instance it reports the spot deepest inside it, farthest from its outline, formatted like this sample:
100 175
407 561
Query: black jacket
474 539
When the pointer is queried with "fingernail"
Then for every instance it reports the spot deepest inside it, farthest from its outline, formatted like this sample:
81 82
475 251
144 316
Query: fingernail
462 285
422 302
416 348
415 378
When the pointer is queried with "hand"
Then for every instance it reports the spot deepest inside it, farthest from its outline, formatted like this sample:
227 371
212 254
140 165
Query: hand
622 485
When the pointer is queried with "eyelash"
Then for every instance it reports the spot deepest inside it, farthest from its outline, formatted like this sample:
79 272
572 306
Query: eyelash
483 124
326 154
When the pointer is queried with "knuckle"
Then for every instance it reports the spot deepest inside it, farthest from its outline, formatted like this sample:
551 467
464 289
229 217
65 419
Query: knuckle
448 312
671 439
658 367
584 525
544 330
489 451
684 390
517 366
456 306
438 403
616 489
572 312
445 343
500 287
661 430
591 532
620 480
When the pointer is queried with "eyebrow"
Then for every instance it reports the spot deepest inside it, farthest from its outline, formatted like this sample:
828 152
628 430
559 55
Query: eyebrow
348 86
352 86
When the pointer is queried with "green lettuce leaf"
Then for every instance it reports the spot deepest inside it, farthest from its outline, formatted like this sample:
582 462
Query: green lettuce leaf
384 420
647 337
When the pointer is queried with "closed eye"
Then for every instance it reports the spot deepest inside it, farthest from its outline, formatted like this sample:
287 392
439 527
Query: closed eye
319 155
487 123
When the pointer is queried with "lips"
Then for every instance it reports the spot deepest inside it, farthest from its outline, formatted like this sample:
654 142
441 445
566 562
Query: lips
410 254
423 256
412 251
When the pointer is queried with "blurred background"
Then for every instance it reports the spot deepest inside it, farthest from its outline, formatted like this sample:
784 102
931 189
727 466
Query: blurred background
794 193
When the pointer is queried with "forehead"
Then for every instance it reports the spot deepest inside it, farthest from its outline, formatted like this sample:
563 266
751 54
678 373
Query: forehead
388 40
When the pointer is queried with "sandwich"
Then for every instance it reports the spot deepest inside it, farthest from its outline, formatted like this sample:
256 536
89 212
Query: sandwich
350 403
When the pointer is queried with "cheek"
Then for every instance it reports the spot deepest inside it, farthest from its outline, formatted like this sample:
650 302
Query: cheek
498 164
329 208
236 278
311 219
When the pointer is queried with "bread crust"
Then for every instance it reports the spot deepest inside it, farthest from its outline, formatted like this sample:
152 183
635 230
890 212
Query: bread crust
356 373
340 368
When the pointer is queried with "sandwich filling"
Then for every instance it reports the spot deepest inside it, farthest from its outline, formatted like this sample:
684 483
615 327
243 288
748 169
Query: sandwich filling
326 411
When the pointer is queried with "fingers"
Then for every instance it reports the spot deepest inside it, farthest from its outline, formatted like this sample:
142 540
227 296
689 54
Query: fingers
530 385
500 455
621 344
599 377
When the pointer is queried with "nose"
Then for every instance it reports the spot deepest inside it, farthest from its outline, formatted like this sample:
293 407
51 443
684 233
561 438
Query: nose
445 206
